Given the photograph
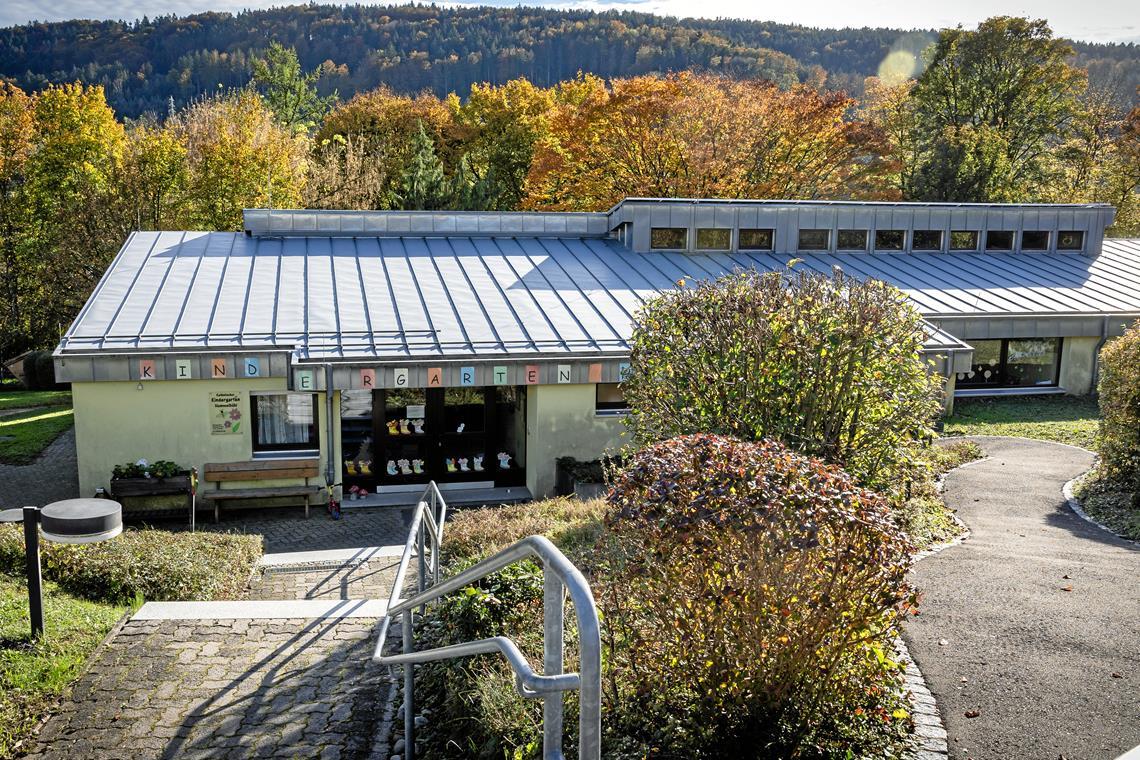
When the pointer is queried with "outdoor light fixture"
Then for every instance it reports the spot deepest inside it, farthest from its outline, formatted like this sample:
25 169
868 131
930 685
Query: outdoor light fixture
72 521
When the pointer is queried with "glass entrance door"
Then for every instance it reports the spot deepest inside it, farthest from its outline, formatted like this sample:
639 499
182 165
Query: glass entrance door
401 439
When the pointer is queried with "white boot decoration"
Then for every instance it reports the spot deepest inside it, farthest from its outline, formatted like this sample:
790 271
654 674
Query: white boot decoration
418 426
479 463
504 460
405 467
461 426
463 465
404 429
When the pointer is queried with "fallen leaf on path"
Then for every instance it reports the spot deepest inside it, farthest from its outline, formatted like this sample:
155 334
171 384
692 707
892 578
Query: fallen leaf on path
972 713
1066 588
1066 578
1117 675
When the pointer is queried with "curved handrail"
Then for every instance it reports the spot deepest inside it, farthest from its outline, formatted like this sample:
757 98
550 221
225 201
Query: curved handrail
588 680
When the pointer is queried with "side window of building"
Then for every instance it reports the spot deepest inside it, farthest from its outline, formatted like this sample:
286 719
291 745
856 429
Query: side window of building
669 238
610 400
284 422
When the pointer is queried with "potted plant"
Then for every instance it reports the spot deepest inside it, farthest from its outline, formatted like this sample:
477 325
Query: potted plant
586 480
354 493
143 478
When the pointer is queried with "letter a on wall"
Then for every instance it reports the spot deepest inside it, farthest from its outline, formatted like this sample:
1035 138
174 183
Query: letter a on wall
217 368
368 379
435 377
146 369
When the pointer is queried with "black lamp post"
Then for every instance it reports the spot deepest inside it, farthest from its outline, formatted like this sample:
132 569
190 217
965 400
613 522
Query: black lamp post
72 521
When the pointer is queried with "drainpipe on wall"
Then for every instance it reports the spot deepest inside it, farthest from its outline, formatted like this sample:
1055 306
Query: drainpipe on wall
1096 354
330 473
949 373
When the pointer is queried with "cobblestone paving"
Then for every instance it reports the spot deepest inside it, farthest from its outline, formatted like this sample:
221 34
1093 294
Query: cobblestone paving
54 476
368 580
287 530
226 689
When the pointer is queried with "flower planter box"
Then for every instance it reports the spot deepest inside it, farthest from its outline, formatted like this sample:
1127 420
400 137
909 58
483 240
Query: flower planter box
141 489
581 479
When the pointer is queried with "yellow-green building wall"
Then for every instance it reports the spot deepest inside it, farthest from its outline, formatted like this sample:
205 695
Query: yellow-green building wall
115 423
562 421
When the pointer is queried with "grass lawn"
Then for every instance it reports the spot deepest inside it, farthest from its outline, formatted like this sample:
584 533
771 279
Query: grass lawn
15 397
34 675
23 436
1065 419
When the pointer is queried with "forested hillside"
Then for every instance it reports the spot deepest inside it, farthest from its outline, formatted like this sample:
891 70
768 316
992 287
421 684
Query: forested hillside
145 65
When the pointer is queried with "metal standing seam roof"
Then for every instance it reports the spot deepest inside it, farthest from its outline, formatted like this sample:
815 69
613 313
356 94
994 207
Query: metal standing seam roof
411 297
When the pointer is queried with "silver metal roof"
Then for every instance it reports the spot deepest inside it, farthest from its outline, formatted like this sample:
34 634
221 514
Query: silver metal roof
420 297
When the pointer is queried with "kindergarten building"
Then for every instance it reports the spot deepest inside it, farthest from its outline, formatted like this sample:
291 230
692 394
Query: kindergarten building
474 349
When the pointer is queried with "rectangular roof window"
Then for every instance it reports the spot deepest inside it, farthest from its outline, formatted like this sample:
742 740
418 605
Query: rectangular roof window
756 240
669 238
852 240
964 240
714 239
999 240
926 240
1035 240
814 240
1070 240
890 240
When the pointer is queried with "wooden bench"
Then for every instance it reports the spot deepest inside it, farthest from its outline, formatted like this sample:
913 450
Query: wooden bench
260 469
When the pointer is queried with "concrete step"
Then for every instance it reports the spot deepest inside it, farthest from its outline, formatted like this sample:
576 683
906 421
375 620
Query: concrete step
295 609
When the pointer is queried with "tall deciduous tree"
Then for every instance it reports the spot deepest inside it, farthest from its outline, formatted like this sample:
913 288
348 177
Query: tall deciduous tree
238 157
17 139
699 136
288 91
69 236
989 108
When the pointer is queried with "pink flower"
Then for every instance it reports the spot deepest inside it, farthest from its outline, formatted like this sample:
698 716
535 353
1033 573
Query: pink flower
235 414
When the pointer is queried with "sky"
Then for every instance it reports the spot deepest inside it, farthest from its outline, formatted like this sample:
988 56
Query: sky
1090 20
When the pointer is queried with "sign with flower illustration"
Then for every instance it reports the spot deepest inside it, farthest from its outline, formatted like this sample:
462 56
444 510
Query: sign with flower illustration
226 415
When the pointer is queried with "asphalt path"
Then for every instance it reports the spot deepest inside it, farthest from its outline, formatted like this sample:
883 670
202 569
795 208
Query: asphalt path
1029 631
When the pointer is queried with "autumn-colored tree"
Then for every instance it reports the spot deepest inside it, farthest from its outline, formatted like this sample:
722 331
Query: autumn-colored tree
17 135
381 127
68 237
152 179
689 135
238 157
501 128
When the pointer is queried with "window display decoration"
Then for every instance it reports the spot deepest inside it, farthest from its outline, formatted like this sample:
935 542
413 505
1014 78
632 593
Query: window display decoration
504 460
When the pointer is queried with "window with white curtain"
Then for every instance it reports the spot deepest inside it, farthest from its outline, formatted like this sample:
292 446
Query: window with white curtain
284 422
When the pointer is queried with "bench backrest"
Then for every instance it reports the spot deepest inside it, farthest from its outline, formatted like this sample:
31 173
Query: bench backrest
261 469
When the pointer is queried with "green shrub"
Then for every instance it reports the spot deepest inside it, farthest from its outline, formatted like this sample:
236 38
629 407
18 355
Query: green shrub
1119 390
31 378
829 365
45 370
751 596
152 564
160 469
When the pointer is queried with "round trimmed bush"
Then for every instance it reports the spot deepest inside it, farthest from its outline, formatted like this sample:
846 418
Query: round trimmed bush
751 596
828 364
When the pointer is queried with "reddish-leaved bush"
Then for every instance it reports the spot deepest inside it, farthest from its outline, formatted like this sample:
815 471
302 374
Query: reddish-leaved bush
750 596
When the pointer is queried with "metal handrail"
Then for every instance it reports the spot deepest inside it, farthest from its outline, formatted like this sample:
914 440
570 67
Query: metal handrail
560 577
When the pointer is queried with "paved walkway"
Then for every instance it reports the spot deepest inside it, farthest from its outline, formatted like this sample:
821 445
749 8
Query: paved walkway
53 476
1031 624
287 530
264 682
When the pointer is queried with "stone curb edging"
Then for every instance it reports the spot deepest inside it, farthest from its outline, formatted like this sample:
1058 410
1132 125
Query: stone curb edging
1079 511
929 741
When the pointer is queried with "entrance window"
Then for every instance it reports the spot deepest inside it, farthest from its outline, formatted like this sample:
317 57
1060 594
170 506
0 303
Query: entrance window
1013 363
356 437
284 422
610 399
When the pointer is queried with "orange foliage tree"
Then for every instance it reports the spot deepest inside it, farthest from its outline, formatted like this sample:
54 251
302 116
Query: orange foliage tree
690 135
